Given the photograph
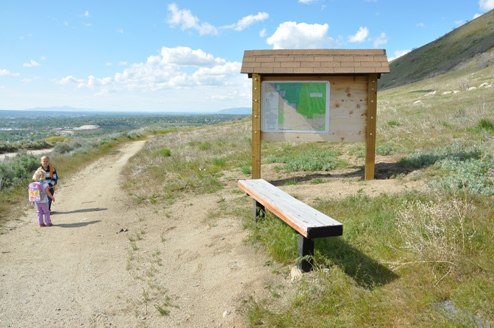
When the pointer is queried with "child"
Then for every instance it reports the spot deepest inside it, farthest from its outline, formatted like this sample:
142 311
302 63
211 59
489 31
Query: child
42 206
51 177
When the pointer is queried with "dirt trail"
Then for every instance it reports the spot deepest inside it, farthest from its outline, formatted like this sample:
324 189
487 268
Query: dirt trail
109 263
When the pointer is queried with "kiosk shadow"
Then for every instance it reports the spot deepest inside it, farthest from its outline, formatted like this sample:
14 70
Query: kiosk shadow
365 271
96 209
76 224
382 171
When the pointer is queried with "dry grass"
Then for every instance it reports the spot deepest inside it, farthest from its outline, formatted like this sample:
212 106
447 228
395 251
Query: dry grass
197 160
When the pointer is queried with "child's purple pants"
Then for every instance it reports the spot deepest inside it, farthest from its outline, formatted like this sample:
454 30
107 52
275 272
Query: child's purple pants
42 208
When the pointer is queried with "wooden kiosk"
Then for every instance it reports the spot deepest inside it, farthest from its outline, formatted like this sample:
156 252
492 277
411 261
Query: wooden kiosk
314 95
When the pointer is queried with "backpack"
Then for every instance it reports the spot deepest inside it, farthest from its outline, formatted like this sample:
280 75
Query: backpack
36 192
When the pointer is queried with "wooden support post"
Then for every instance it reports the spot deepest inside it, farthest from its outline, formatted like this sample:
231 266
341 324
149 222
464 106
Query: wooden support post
256 126
370 137
305 248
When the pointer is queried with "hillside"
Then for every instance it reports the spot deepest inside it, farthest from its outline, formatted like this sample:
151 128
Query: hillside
450 52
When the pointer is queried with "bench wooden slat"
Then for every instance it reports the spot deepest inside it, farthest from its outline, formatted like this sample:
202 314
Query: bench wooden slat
306 220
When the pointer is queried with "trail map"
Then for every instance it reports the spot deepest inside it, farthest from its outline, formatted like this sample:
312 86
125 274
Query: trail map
295 106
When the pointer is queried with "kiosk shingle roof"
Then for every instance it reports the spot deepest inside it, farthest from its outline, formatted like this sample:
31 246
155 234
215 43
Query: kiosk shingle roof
315 61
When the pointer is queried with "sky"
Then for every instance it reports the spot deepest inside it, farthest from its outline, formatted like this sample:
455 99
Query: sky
186 56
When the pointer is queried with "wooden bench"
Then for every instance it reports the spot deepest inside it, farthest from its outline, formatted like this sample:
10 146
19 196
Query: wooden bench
307 221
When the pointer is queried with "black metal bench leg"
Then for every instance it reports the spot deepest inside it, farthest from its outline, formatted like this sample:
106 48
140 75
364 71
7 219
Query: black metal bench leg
305 248
259 211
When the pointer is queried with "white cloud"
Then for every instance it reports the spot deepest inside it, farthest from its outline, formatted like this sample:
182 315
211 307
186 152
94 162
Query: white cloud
262 33
249 20
69 79
86 14
380 40
164 80
93 82
420 25
398 54
185 20
32 63
486 5
476 16
188 57
360 36
4 72
174 68
307 2
290 35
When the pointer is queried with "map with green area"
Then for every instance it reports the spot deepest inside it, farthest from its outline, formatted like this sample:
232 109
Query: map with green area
295 106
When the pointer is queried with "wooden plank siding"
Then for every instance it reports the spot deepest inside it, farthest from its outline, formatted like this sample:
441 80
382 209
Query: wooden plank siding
315 61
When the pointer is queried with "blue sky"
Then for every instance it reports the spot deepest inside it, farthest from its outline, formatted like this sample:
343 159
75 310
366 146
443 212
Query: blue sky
186 56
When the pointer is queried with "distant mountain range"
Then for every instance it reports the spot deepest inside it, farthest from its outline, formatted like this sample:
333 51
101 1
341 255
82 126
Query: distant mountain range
67 109
61 109
236 111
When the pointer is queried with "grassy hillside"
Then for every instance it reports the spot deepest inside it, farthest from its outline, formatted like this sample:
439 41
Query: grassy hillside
450 52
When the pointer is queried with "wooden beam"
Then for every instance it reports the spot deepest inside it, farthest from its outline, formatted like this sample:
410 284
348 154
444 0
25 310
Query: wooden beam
370 136
256 126
305 249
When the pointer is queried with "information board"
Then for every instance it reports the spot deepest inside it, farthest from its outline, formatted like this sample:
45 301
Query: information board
295 106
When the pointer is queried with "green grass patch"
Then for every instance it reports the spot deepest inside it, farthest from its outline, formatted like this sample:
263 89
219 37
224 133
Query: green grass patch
484 125
305 157
412 249
164 152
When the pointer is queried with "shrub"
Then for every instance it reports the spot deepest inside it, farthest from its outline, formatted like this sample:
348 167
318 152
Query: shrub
472 175
55 139
18 170
384 150
325 160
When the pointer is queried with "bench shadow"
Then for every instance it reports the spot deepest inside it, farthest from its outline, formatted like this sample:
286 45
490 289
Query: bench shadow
76 224
96 209
365 271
